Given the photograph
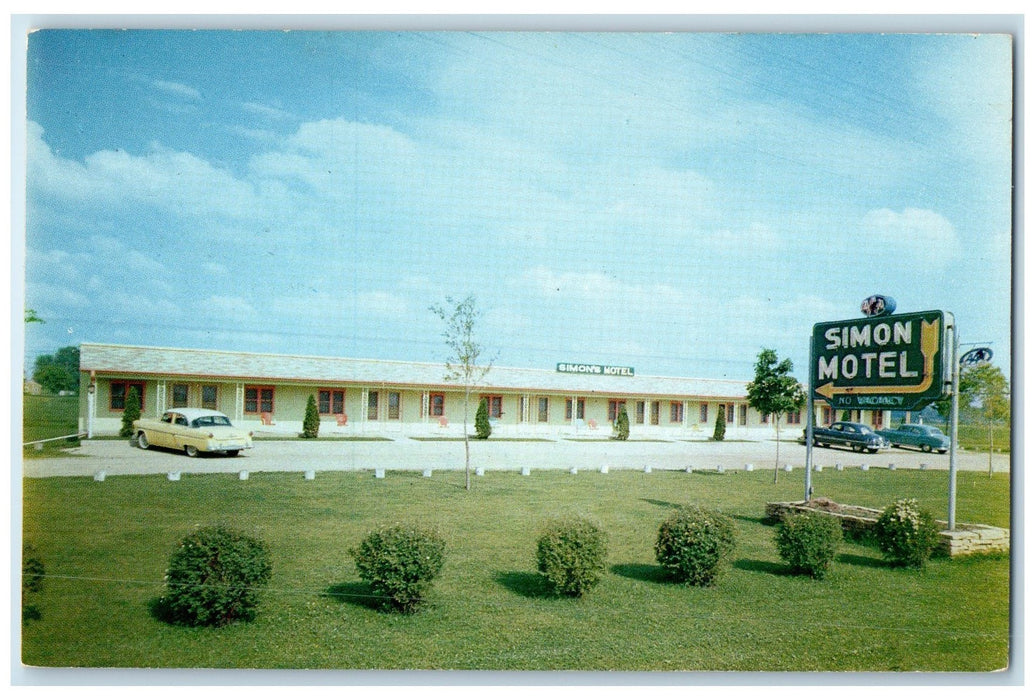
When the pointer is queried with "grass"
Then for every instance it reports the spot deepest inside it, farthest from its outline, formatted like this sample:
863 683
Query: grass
46 417
105 546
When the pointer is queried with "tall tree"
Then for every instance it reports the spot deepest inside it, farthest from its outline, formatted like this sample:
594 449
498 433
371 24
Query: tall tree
465 353
58 372
775 392
983 386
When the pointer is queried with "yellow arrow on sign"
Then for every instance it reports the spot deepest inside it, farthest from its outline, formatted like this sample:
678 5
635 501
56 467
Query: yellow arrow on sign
928 348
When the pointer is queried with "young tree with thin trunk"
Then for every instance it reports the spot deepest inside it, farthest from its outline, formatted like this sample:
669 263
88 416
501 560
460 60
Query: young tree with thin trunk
463 365
775 392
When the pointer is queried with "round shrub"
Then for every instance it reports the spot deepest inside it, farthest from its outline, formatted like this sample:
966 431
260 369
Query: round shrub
693 544
214 578
808 542
571 554
906 534
399 562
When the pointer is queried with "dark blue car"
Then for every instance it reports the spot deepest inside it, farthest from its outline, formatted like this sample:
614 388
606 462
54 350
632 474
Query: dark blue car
926 437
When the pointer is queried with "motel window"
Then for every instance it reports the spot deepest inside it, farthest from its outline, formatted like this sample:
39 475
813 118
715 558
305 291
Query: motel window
655 412
641 412
180 392
877 420
704 413
495 404
580 409
210 397
743 414
828 415
372 399
765 419
729 414
793 417
614 407
331 401
437 405
544 409
394 405
258 399
675 412
120 392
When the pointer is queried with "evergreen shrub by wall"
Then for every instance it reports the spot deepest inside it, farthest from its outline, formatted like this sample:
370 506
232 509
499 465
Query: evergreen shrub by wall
482 427
311 422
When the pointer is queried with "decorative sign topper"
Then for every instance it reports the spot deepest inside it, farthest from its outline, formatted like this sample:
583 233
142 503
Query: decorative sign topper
976 356
878 305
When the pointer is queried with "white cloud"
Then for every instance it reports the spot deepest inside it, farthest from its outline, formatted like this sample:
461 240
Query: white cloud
176 89
266 111
910 237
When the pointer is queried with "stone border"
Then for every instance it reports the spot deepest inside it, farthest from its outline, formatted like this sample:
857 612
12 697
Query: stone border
859 521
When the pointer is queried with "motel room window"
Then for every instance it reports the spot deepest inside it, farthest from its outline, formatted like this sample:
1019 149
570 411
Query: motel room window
675 412
655 412
828 415
120 392
641 412
793 417
331 401
877 420
180 392
210 397
743 414
580 408
614 407
394 405
729 414
544 409
258 399
437 405
704 413
372 399
495 404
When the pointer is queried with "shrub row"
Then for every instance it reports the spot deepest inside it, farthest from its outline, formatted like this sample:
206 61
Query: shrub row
215 575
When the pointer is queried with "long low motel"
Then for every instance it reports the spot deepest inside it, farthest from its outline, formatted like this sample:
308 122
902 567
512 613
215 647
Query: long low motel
268 394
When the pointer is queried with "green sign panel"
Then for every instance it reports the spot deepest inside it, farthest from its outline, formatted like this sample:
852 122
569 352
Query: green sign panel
897 362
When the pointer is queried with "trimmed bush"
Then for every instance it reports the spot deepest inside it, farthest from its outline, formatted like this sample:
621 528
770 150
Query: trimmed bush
693 544
399 563
808 542
311 421
482 427
906 534
214 578
571 553
622 425
719 434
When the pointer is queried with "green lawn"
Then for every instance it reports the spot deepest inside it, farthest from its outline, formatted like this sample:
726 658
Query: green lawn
47 417
105 546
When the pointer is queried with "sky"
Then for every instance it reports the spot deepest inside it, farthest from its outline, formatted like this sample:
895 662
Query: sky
672 202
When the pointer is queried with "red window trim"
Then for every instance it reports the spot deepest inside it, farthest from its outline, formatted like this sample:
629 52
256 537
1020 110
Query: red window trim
675 411
431 404
125 393
490 399
330 401
258 399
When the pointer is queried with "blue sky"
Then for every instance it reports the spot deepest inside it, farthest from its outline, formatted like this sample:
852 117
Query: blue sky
672 202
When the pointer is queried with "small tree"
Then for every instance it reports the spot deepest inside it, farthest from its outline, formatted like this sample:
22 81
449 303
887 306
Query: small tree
130 413
464 354
720 426
311 423
774 392
482 426
622 424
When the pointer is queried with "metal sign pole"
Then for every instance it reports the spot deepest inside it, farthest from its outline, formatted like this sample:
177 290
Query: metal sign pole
810 419
954 421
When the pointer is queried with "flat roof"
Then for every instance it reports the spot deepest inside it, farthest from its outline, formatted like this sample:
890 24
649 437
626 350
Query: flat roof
158 362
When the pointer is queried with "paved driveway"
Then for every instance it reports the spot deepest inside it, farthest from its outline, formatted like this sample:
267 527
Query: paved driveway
119 457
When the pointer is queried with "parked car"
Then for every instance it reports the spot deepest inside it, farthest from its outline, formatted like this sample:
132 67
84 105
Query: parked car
926 437
193 430
857 436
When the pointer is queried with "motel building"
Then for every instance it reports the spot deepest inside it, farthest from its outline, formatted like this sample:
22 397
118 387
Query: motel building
268 393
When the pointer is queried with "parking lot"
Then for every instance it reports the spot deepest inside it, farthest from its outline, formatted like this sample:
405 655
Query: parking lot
116 457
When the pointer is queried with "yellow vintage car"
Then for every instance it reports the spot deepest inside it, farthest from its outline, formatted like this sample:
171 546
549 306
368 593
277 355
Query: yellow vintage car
193 430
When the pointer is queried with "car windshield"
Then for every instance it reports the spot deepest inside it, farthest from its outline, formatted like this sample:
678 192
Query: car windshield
208 421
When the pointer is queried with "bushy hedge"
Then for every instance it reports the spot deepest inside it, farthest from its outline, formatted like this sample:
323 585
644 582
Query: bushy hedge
906 534
571 553
214 578
808 542
693 544
399 563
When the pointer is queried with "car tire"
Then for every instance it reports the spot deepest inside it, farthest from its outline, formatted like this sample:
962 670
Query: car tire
232 453
142 442
191 450
872 450
941 452
925 448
